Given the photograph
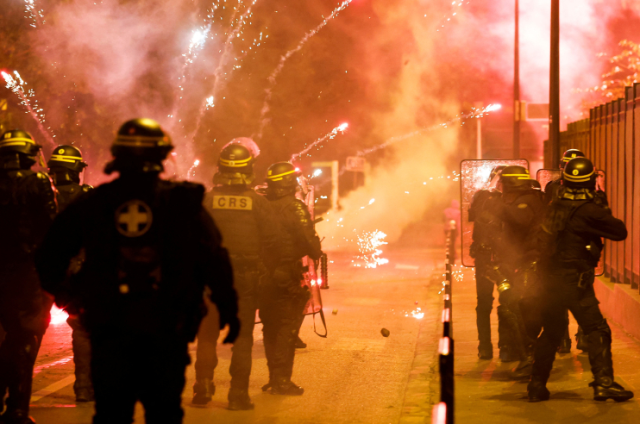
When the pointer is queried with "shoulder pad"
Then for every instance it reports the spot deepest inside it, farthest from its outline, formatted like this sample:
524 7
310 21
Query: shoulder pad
42 176
191 190
86 188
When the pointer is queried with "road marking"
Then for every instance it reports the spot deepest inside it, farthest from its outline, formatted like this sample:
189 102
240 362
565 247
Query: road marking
52 388
62 361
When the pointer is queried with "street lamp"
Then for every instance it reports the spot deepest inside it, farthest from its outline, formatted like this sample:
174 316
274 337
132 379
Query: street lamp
554 83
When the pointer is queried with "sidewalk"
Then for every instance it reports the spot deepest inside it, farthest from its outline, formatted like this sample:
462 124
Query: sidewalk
484 394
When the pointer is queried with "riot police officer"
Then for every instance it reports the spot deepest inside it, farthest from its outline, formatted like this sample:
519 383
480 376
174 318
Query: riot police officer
520 212
283 299
571 239
486 228
27 208
65 167
150 249
550 193
249 233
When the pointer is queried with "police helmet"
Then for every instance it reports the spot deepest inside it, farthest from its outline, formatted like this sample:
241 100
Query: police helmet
570 154
140 145
282 179
515 177
235 166
579 173
18 141
69 157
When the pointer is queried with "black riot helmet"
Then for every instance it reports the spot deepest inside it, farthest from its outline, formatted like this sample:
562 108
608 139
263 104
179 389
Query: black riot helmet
140 147
579 173
235 166
18 149
515 178
570 154
66 156
282 179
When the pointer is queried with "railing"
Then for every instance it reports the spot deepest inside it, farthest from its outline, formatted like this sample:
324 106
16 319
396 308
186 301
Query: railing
611 138
443 411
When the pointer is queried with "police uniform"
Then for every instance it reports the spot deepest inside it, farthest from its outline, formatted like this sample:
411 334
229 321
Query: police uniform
520 213
572 231
150 248
27 208
486 229
284 298
249 234
65 166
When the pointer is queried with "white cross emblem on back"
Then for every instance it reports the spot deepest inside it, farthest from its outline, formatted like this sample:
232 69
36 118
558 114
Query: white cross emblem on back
133 218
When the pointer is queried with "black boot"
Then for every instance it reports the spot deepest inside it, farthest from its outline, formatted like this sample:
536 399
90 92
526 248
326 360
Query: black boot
239 400
203 391
485 351
537 390
613 391
286 387
565 346
300 344
523 369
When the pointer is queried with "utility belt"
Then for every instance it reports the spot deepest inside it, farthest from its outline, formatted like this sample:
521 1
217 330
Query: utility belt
585 276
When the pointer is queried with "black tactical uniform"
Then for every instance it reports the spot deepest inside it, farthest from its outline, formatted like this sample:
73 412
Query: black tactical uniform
150 250
520 213
571 238
551 192
249 232
283 299
486 229
65 167
27 208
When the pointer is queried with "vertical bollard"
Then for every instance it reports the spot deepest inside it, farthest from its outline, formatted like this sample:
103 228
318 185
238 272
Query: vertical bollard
443 412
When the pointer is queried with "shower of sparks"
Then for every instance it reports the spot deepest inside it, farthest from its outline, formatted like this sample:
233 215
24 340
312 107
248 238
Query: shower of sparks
416 313
455 7
192 170
474 114
283 60
58 316
208 103
16 84
369 245
219 71
330 136
35 14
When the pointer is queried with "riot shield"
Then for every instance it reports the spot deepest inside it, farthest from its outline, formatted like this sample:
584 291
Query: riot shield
311 279
474 176
600 185
545 176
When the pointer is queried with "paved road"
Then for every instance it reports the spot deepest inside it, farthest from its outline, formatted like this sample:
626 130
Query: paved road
484 394
353 376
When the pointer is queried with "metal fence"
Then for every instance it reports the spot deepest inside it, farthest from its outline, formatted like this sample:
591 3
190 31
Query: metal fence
609 138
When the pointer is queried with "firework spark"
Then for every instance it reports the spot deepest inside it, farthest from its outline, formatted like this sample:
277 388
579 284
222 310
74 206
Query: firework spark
283 60
16 84
192 171
330 136
35 14
58 316
369 245
474 113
